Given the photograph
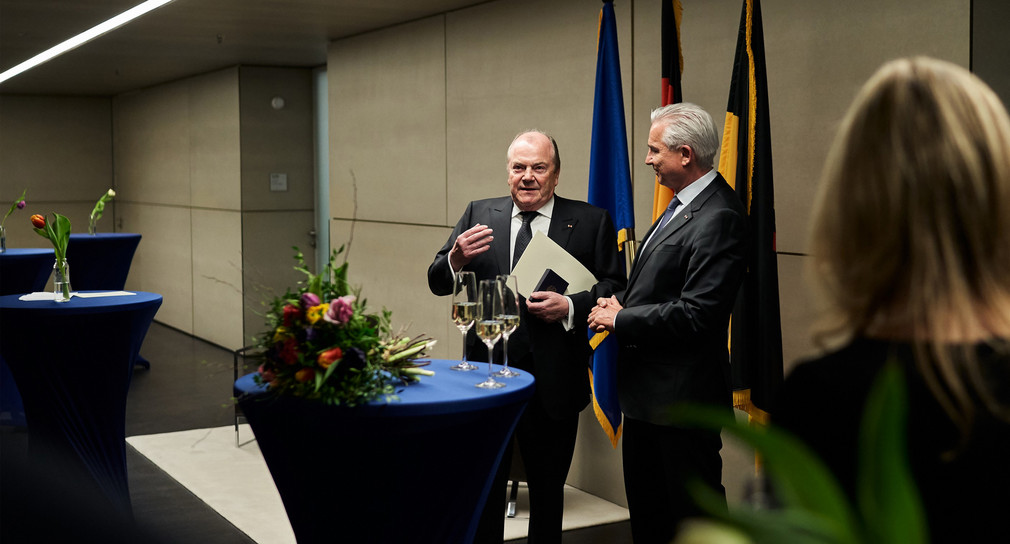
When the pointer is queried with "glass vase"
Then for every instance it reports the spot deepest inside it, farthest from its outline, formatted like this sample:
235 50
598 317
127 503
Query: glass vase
3 239
61 280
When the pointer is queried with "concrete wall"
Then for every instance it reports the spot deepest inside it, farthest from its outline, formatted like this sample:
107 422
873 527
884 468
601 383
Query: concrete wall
193 163
60 150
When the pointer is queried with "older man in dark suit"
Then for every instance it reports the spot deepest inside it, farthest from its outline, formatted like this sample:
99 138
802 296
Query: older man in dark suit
672 323
551 341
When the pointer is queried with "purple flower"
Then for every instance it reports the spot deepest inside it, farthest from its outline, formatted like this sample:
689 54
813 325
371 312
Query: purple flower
353 358
310 299
341 310
21 205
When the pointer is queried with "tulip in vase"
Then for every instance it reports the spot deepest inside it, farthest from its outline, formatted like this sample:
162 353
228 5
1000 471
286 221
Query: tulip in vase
57 231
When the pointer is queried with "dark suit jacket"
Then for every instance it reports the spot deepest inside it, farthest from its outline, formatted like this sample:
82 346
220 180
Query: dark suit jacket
558 359
672 332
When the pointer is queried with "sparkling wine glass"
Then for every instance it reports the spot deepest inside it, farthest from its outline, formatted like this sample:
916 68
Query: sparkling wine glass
464 309
489 307
509 320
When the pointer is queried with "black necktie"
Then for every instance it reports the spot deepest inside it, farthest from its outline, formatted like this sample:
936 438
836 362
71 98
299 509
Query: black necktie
523 237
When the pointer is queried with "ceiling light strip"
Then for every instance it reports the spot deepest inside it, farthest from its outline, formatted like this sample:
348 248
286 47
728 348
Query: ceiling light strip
84 37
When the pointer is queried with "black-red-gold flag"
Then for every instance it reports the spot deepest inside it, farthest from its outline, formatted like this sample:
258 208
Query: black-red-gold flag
746 163
673 67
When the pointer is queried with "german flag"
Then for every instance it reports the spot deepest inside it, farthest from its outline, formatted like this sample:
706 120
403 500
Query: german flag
673 67
746 163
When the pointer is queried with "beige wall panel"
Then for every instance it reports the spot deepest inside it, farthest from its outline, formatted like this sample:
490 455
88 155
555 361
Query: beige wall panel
217 277
277 140
268 260
163 263
152 142
59 148
214 150
596 465
814 70
799 309
539 71
387 124
389 263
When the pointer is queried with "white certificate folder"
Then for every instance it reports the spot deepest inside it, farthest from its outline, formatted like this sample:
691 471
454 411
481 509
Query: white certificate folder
543 253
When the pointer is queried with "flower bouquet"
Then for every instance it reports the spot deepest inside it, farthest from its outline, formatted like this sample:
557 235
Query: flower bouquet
321 343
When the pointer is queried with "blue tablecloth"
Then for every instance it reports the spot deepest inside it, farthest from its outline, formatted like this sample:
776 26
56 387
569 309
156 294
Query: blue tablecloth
72 362
414 470
101 261
21 271
25 270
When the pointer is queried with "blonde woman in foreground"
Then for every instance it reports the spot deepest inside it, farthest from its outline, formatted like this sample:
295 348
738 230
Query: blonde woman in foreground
911 253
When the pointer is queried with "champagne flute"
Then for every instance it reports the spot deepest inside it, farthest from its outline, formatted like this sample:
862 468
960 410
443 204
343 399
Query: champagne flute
509 319
489 328
464 309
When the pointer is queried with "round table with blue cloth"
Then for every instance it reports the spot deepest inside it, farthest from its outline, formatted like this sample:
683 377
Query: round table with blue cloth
21 271
101 261
415 470
73 362
24 270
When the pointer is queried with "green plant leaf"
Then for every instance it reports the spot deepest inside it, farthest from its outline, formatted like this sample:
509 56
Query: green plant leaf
765 526
801 481
887 497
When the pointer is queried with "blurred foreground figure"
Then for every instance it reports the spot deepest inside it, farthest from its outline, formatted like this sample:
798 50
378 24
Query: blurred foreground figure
911 253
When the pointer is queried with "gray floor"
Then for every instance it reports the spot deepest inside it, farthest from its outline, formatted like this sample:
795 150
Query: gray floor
189 387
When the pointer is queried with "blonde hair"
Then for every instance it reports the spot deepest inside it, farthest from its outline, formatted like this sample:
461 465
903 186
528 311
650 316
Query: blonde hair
911 236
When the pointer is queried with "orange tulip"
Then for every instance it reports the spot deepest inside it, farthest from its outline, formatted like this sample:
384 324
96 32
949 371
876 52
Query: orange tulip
328 357
38 221
305 374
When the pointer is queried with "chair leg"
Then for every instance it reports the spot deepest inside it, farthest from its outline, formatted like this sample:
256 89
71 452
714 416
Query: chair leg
513 496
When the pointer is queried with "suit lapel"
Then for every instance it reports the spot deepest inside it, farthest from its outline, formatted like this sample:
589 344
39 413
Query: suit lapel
500 221
675 224
562 222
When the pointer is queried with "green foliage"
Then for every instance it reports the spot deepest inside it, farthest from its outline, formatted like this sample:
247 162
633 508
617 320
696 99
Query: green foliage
58 235
96 212
814 507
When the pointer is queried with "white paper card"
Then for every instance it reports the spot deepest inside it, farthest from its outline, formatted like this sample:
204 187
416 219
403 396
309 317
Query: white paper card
49 295
98 294
543 253
41 295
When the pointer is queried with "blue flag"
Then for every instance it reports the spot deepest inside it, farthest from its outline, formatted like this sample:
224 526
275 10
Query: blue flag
609 188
